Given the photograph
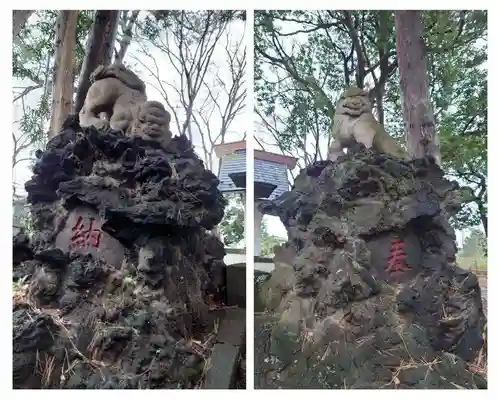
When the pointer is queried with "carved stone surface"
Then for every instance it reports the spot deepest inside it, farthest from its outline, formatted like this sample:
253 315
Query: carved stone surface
83 235
384 247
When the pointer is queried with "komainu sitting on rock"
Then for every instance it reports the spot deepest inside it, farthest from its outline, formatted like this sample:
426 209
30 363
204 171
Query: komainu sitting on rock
120 94
354 123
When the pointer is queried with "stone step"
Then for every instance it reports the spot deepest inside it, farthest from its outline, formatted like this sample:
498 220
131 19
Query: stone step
223 364
232 328
226 352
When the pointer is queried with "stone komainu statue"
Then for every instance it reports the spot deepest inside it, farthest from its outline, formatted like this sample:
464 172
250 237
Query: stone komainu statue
354 123
121 95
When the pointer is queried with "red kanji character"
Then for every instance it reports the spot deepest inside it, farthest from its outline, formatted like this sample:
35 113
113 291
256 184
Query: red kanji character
397 259
83 238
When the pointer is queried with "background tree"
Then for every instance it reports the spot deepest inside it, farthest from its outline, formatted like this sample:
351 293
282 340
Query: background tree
420 127
127 23
33 56
473 253
100 49
269 241
63 72
232 227
19 18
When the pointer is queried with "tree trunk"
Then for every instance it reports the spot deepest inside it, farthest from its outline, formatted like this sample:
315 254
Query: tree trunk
379 101
421 135
62 92
100 46
483 216
19 19
126 35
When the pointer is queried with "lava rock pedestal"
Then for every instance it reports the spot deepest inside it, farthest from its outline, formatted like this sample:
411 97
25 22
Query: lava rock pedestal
366 292
114 287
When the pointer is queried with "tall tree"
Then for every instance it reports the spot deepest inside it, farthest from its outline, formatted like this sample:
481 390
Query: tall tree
457 54
421 134
100 46
62 93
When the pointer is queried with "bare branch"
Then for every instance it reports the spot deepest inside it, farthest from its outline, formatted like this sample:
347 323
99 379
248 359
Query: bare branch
210 100
160 83
26 91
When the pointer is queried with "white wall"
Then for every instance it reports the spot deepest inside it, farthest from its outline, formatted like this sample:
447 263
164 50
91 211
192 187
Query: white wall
231 259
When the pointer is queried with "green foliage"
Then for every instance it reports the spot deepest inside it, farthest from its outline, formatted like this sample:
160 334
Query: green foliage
34 119
28 224
339 48
474 251
33 62
474 243
35 46
268 242
232 226
460 97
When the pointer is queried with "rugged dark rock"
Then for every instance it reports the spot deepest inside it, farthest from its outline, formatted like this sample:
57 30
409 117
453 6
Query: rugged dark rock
115 287
366 292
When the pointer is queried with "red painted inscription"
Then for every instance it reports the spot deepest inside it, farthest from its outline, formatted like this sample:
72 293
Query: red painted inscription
85 235
397 259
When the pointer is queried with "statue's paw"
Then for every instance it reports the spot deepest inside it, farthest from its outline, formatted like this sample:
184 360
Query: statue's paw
101 124
156 132
120 123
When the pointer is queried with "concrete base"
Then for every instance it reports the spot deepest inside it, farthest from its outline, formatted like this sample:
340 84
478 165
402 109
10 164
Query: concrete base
236 285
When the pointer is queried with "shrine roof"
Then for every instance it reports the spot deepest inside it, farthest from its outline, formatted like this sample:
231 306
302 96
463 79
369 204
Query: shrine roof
222 150
231 163
269 167
266 171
